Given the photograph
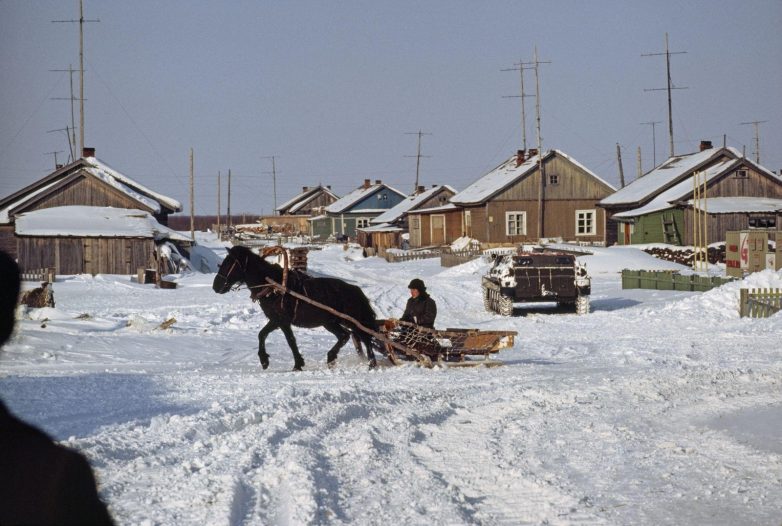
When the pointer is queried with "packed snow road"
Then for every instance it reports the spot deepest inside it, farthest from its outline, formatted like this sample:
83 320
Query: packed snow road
657 408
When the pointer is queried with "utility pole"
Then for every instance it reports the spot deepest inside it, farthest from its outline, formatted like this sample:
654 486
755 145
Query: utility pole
670 87
56 165
228 218
417 157
72 141
81 22
757 138
218 206
541 195
640 165
520 68
192 198
274 178
654 143
621 168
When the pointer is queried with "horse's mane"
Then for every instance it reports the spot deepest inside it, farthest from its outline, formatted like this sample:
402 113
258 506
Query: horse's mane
272 270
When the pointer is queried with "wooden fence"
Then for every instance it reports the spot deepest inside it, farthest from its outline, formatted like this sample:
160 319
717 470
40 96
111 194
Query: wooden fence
670 280
39 274
451 258
398 257
759 303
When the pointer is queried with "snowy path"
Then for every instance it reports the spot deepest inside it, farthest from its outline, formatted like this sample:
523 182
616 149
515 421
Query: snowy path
631 415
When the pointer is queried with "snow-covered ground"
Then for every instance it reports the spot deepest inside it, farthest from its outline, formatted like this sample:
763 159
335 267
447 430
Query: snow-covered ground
659 407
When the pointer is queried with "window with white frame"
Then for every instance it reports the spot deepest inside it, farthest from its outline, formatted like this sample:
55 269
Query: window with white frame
585 222
362 222
515 223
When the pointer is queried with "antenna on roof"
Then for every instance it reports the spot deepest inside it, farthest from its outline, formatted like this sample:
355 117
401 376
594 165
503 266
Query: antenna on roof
67 135
417 156
670 87
81 22
654 142
56 164
72 139
757 138
519 66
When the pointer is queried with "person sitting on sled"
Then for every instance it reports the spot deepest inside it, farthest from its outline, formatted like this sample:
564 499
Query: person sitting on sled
421 308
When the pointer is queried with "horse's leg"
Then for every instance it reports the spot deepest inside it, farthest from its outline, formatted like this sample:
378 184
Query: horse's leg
367 339
262 354
342 338
298 361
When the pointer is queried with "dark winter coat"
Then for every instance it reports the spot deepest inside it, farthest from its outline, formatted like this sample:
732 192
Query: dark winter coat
421 311
42 482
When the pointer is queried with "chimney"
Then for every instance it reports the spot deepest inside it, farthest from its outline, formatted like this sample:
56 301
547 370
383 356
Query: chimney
532 152
58 166
88 152
328 186
378 181
706 145
366 183
519 158
304 188
420 190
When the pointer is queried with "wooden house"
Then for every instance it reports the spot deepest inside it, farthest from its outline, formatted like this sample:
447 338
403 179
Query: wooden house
310 202
355 210
386 230
86 182
91 239
734 193
516 202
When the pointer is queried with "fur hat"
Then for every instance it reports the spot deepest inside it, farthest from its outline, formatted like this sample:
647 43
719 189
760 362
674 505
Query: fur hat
417 284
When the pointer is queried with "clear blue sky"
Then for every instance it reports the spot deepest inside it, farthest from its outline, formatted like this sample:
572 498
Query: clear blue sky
333 88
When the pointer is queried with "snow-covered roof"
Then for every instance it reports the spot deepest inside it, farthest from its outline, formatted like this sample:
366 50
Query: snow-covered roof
409 203
665 174
344 203
445 208
98 169
383 227
508 173
300 200
130 187
735 205
667 199
4 216
93 221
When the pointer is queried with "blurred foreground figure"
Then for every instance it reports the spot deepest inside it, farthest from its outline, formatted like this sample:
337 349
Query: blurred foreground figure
40 482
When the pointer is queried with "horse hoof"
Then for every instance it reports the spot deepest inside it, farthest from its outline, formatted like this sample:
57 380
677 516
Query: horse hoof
298 366
332 363
372 363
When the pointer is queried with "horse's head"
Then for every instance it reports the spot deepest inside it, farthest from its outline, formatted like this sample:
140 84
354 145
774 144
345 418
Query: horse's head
232 270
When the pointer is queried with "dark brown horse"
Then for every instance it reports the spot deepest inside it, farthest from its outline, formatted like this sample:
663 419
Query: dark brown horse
243 266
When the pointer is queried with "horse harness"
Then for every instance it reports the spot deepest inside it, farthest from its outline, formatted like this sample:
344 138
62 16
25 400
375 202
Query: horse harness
260 291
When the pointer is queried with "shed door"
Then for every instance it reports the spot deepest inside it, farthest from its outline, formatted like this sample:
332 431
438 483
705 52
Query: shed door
438 229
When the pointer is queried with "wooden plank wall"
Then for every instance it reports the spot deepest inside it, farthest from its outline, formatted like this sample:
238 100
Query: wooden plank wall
86 255
87 191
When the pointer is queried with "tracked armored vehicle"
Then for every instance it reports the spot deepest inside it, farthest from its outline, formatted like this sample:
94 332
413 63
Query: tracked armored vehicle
536 277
